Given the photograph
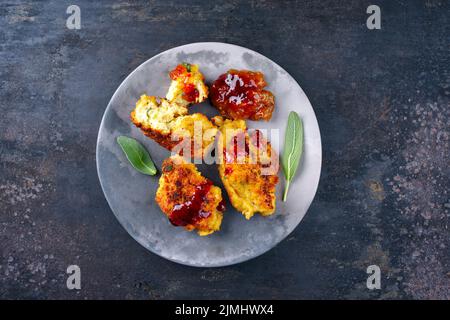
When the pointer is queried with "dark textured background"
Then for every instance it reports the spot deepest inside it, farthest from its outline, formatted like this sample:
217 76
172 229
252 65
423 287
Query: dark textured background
381 99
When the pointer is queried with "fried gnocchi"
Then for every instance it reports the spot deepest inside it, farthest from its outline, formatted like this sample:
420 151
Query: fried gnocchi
187 86
189 199
248 167
169 125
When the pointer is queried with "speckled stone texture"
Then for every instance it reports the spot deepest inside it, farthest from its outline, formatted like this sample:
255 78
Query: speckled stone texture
381 98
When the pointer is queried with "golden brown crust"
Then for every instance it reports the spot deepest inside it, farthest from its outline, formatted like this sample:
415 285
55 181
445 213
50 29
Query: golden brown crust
162 139
250 181
178 185
265 109
200 131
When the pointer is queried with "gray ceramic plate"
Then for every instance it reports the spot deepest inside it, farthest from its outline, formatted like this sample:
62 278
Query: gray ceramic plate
131 195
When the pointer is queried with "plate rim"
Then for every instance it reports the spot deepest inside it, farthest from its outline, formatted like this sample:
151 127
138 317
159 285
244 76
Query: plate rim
99 134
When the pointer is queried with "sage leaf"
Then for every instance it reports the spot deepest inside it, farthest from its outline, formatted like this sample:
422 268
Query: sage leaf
137 155
293 148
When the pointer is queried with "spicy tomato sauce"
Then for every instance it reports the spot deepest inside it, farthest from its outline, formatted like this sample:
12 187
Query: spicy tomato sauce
239 94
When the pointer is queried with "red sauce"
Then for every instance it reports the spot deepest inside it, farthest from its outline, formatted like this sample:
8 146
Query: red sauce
228 170
255 137
190 93
237 150
191 211
239 95
177 72
221 206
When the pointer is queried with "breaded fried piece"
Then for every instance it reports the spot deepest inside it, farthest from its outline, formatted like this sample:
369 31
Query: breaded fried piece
240 95
187 85
189 199
195 133
247 166
170 125
154 117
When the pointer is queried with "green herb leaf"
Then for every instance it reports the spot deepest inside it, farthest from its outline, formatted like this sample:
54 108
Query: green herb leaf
187 66
137 155
293 148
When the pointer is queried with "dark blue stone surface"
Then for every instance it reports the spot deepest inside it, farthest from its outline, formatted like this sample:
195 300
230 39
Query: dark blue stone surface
381 98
